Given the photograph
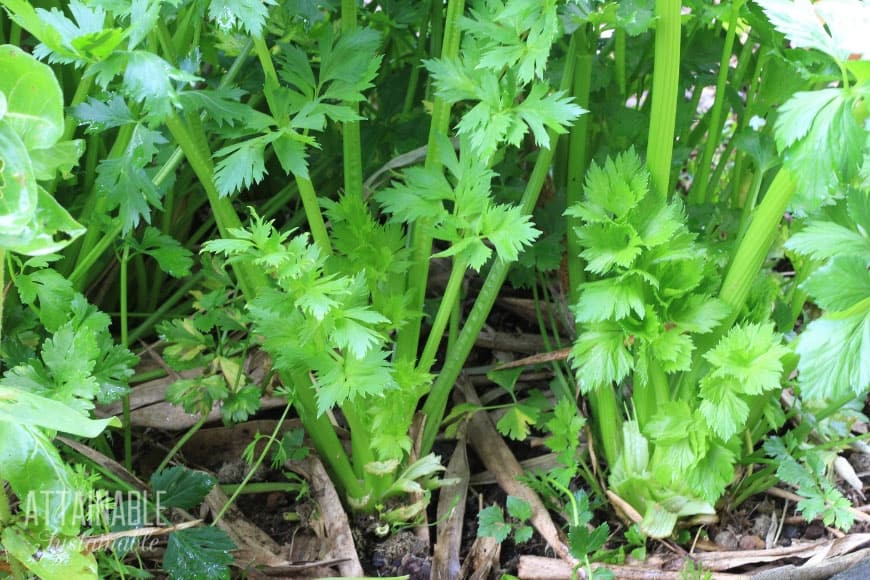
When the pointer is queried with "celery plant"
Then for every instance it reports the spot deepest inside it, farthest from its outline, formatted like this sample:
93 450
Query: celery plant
705 372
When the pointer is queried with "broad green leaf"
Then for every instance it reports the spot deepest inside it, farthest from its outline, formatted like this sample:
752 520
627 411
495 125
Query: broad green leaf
26 408
181 487
34 101
18 184
199 554
600 357
823 239
51 229
698 313
836 27
37 473
834 356
64 559
822 141
840 284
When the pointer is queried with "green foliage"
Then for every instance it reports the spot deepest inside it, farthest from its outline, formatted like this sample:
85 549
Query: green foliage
820 495
32 150
835 348
180 487
176 99
199 553
491 521
652 295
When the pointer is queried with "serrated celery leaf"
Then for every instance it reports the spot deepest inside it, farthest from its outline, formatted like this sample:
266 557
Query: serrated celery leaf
840 284
541 111
171 256
752 355
353 52
223 106
600 357
517 422
608 246
610 299
250 15
564 427
722 406
454 81
490 523
347 378
582 542
673 350
199 554
657 222
242 165
351 333
821 240
697 313
508 230
711 476
619 185
834 356
420 196
101 115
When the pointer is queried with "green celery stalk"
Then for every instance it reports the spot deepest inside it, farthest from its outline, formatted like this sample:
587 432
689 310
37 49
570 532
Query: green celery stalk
698 194
666 71
421 240
351 146
436 401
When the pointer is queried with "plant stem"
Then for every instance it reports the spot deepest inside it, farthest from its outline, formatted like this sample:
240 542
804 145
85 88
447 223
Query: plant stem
263 487
192 141
2 287
351 145
306 189
745 265
698 194
180 443
619 59
436 401
755 245
156 315
421 239
666 72
272 438
451 297
125 401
